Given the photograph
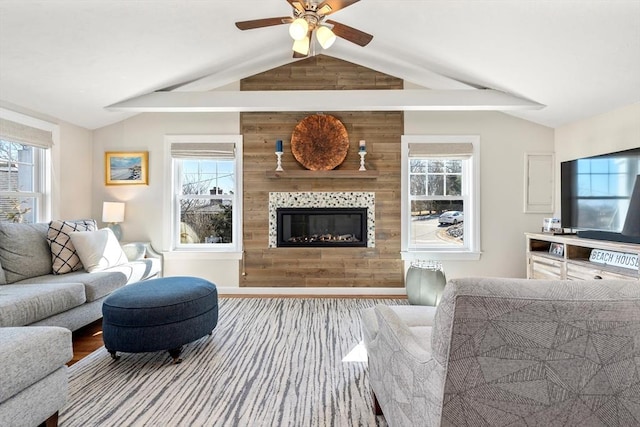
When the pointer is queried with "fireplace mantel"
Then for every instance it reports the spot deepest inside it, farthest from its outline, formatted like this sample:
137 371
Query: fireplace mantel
341 173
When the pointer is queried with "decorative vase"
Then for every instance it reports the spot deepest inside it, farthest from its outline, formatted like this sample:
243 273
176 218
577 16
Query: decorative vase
425 283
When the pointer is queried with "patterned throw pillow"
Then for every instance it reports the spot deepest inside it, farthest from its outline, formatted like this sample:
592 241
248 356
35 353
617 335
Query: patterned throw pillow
63 253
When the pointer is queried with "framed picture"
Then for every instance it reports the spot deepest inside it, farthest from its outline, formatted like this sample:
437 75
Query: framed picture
126 168
556 249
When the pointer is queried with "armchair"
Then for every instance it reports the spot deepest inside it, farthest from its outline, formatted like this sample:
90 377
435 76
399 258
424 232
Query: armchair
509 352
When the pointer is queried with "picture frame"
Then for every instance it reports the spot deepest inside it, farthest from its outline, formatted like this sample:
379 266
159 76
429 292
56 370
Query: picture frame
556 249
126 168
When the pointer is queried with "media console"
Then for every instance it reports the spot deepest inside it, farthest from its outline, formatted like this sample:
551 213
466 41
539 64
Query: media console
567 257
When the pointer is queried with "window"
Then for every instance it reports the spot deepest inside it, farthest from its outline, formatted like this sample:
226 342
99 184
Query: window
24 166
206 192
440 212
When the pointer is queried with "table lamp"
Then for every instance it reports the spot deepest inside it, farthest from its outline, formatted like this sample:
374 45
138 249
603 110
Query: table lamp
112 214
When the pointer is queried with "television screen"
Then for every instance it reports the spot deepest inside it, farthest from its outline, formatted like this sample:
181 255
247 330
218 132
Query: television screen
595 191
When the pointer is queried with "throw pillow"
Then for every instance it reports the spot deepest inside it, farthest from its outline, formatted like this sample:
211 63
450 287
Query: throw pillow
98 250
63 254
24 252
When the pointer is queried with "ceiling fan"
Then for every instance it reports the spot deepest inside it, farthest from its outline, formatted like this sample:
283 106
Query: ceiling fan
310 16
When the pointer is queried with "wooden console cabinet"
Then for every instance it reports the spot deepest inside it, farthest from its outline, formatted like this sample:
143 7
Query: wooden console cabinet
574 262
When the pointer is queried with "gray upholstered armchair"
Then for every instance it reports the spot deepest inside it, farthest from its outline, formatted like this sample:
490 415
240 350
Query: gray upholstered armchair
510 352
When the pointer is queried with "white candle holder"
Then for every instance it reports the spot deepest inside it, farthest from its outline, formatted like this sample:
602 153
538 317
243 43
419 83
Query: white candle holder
362 154
279 166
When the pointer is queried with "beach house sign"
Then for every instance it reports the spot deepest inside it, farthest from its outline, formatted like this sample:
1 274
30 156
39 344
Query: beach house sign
618 259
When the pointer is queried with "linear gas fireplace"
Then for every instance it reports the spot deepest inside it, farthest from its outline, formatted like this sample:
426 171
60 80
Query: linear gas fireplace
322 227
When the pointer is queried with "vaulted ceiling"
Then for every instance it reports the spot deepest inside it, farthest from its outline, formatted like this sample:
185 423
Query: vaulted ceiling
71 58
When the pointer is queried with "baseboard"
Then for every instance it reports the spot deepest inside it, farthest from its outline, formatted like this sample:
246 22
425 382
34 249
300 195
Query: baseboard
312 292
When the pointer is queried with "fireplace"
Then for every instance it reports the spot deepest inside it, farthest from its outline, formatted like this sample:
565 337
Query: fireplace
321 227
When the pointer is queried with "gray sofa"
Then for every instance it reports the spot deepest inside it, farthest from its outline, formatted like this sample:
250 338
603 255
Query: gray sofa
33 384
30 294
509 352
33 379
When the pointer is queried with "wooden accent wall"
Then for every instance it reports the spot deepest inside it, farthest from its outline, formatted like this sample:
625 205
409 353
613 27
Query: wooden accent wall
322 267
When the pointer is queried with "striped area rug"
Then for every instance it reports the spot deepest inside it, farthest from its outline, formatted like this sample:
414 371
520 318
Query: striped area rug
269 362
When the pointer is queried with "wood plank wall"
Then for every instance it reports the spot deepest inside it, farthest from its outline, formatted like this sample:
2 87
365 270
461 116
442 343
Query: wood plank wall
322 267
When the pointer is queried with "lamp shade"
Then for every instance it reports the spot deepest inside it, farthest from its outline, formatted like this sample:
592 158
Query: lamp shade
113 212
301 46
325 37
298 29
632 221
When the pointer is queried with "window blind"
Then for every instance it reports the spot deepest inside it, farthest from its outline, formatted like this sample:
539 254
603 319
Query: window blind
440 149
194 150
23 134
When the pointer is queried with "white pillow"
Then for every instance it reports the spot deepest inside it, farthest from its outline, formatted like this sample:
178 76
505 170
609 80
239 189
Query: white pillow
98 250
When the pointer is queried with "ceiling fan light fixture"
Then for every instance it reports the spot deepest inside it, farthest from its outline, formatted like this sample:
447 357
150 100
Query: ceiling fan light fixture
298 29
301 46
325 37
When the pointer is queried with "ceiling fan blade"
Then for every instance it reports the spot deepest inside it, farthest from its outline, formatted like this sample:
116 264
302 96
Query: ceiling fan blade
297 5
260 23
351 34
335 5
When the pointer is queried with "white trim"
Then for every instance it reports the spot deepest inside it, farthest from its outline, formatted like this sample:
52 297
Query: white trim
327 100
168 208
199 254
401 292
28 120
439 255
45 175
472 250
538 208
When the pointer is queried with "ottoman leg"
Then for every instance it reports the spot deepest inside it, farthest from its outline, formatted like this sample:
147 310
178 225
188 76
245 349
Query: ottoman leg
175 354
114 355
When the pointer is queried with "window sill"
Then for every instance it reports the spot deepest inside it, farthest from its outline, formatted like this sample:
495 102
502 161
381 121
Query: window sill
191 254
439 256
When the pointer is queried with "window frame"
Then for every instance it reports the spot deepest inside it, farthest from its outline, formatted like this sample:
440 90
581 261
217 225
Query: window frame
172 197
470 197
42 173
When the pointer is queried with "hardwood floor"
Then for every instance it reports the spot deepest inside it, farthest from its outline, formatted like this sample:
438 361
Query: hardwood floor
88 339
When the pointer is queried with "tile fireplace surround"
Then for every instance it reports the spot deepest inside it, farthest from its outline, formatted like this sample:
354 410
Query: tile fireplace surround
322 200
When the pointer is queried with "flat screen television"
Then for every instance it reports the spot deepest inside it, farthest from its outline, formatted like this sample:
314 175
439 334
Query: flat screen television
596 191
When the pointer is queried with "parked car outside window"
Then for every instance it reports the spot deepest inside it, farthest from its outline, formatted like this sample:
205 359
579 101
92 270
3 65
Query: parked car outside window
451 217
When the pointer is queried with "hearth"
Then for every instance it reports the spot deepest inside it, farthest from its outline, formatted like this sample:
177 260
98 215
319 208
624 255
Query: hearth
321 227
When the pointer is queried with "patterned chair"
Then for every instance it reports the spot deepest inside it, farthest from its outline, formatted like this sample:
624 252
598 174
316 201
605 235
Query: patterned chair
518 352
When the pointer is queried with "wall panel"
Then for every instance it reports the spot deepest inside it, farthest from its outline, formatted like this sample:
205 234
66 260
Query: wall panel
322 267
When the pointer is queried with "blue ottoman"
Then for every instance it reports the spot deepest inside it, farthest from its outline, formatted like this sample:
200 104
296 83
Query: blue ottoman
159 314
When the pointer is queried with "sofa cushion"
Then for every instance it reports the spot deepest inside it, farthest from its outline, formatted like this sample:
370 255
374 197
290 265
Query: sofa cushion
31 354
96 285
24 304
24 251
63 254
98 250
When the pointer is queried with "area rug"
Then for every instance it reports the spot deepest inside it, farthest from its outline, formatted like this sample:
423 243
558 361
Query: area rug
269 362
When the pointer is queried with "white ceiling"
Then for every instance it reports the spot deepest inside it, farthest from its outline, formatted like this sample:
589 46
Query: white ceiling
71 58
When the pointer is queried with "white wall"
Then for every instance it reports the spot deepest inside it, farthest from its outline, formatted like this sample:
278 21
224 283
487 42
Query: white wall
609 132
72 171
613 131
145 207
504 140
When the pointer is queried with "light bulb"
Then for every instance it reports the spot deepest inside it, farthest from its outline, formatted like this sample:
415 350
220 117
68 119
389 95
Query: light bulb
298 29
325 37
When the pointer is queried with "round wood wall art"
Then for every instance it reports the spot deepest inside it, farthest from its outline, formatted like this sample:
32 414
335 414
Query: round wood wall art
320 142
